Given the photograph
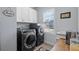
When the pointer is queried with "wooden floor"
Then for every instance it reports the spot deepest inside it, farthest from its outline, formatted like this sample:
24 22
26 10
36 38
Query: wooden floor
61 46
74 47
43 47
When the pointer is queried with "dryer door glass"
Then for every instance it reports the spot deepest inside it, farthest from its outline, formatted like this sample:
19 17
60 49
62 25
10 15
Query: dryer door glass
30 41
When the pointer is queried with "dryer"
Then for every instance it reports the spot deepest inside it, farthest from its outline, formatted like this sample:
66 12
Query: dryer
40 36
28 39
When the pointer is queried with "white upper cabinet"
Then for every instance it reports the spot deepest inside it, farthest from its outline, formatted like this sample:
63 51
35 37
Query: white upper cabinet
19 14
33 15
25 14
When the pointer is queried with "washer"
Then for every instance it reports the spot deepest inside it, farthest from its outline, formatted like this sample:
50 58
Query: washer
28 40
39 33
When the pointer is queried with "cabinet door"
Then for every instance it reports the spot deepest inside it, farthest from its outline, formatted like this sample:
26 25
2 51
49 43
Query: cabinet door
33 15
25 14
19 14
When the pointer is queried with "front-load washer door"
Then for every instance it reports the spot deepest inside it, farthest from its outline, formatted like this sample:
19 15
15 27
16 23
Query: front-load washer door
40 31
30 41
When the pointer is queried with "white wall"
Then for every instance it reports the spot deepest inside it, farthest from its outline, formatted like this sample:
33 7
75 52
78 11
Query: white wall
8 31
42 10
78 19
0 37
69 24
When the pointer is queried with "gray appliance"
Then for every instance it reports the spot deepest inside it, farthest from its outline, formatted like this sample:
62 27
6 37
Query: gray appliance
39 33
28 39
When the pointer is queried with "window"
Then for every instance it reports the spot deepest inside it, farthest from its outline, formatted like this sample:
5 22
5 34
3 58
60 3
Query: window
48 19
